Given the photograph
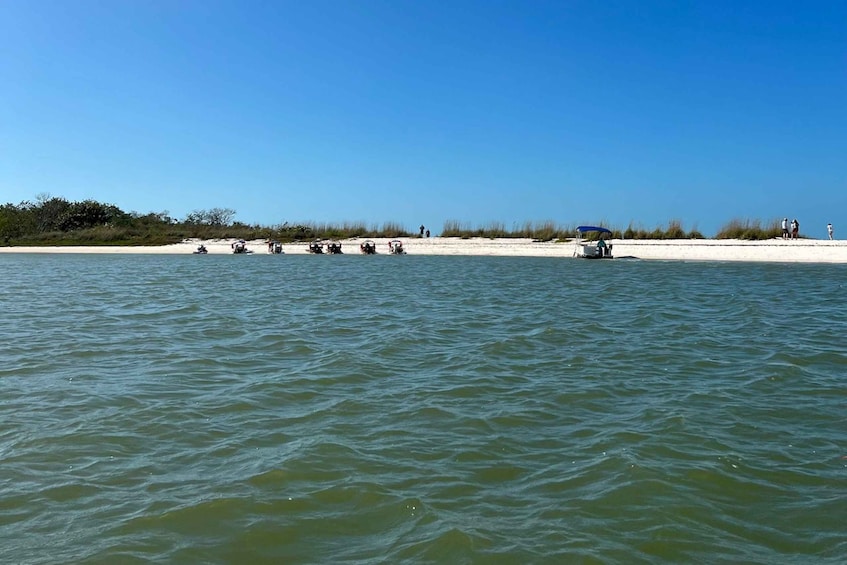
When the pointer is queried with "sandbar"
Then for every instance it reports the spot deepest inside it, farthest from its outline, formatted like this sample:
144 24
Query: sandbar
774 250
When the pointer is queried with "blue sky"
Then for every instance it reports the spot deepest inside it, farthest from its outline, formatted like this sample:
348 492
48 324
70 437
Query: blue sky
428 111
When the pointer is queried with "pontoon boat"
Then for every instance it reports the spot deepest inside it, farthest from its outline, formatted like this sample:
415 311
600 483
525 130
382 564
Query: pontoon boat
240 246
368 247
592 249
395 247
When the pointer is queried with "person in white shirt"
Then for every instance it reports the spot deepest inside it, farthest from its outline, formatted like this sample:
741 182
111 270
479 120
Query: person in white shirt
829 230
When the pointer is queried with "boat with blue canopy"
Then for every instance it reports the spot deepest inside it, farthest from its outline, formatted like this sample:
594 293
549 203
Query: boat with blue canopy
591 248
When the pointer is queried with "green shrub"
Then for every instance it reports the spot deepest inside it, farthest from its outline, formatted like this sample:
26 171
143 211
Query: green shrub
749 230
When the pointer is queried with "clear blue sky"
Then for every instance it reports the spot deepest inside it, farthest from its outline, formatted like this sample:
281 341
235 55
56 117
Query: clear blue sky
427 111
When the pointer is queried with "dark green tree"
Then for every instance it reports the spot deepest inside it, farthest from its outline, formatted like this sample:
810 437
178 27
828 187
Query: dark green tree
48 212
15 221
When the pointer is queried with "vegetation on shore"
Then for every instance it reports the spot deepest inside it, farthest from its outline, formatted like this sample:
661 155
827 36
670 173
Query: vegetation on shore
750 230
549 231
57 221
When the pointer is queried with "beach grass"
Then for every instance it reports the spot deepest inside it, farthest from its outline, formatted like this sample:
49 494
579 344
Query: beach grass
750 229
542 231
52 221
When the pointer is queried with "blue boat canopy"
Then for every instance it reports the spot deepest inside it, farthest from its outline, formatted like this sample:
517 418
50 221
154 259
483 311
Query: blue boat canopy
583 229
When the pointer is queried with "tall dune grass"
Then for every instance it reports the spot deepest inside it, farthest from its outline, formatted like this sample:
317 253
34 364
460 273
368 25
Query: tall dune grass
542 231
674 230
749 229
550 231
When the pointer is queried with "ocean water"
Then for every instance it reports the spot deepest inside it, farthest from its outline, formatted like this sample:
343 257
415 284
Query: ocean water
384 409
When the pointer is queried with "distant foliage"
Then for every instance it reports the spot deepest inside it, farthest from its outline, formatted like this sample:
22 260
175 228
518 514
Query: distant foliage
216 217
56 221
15 221
544 231
55 215
89 214
749 230
674 230
549 231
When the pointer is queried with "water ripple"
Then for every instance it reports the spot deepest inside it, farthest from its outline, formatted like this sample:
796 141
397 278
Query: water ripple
420 409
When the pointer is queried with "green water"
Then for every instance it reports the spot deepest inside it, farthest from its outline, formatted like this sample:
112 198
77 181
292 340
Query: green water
381 409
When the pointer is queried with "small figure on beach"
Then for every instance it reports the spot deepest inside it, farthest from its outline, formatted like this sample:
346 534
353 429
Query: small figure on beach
795 228
422 230
829 231
785 228
427 233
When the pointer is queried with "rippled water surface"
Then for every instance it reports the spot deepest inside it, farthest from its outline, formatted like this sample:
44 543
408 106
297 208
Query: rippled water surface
352 409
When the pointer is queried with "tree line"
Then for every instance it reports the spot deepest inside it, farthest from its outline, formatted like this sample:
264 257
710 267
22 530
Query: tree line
53 220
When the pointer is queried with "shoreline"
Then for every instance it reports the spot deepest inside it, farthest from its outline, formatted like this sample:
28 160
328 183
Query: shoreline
773 250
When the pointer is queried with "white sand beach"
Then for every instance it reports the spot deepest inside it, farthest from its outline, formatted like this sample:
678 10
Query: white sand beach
774 250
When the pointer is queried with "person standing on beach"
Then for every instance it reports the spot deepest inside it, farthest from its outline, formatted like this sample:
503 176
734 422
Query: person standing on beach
829 231
422 229
795 229
785 228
